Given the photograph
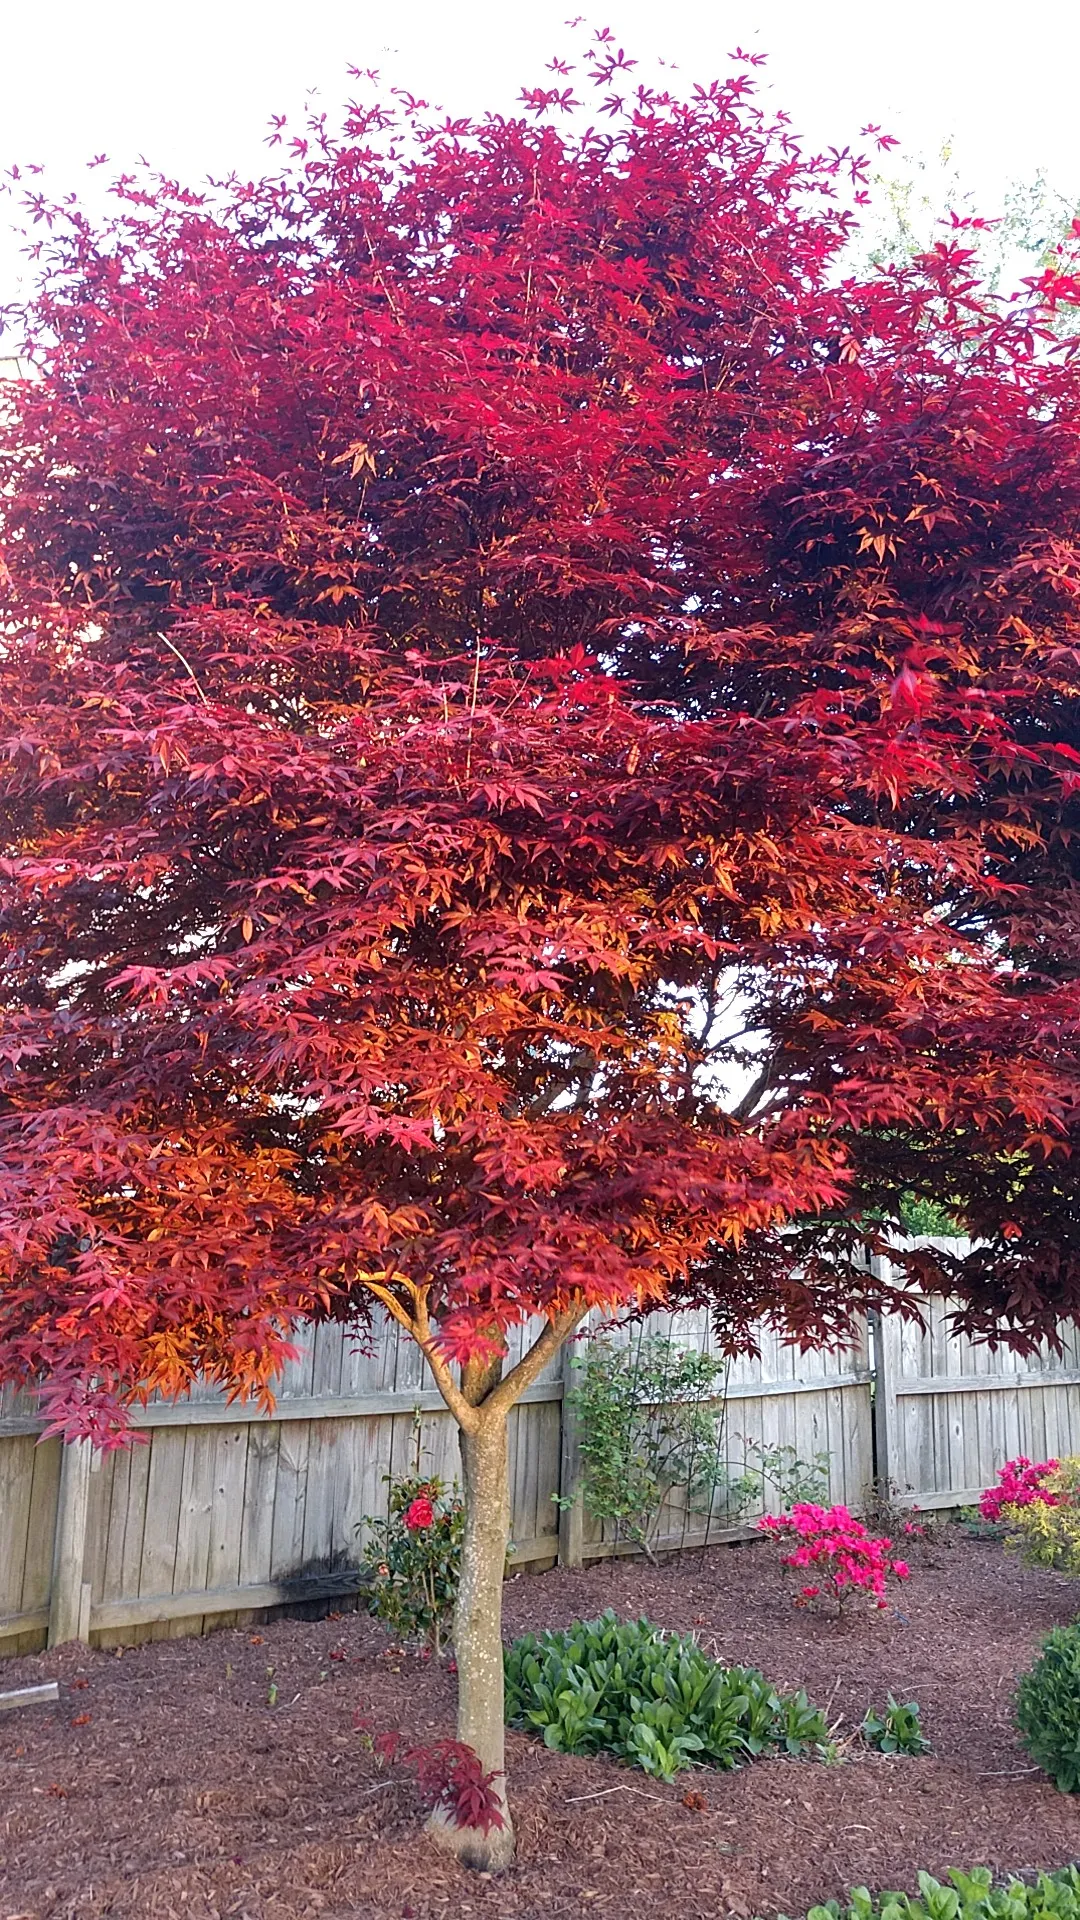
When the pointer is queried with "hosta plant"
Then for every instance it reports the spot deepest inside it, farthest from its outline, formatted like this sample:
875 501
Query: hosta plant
835 1553
625 1687
413 1560
897 1730
968 1896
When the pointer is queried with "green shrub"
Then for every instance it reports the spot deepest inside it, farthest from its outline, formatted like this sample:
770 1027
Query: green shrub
970 1896
650 1421
652 1698
793 1480
1048 1708
897 1730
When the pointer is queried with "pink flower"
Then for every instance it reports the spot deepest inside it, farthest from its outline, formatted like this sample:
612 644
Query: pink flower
1019 1485
832 1540
419 1514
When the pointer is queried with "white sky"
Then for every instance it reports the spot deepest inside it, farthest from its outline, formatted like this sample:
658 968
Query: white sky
193 85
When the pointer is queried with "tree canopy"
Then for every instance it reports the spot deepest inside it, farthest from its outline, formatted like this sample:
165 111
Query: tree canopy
540 748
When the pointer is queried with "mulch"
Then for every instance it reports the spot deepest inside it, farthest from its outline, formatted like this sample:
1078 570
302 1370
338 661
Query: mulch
166 1784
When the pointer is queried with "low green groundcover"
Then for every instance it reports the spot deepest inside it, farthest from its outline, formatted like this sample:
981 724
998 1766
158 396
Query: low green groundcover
969 1896
625 1687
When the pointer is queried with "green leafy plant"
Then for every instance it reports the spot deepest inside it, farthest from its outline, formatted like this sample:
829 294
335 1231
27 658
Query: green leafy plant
968 1896
413 1560
1048 1708
652 1698
650 1421
791 1478
918 1215
897 1730
1045 1531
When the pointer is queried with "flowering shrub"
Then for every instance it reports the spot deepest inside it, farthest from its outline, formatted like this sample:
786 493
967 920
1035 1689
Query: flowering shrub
1019 1485
837 1549
1045 1529
448 1774
413 1560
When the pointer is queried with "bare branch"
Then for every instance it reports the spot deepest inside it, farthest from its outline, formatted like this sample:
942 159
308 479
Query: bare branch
465 1414
186 664
532 1364
761 1084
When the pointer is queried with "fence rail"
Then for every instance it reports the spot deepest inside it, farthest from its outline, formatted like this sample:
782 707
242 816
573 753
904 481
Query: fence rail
219 1512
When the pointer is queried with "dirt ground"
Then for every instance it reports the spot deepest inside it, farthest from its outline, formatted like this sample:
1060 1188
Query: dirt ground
167 1784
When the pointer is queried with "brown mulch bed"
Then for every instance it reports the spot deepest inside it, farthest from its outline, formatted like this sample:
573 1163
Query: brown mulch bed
167 1785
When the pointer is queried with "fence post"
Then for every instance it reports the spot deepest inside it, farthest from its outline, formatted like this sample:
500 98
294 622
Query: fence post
69 1598
884 1392
571 1516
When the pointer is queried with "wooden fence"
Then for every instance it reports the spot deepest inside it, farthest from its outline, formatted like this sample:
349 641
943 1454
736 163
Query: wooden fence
219 1512
948 1410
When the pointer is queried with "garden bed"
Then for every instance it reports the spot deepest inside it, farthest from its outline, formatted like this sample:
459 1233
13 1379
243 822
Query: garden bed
166 1784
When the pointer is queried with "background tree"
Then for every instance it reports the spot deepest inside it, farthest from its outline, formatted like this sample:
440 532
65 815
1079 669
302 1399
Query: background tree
919 200
540 737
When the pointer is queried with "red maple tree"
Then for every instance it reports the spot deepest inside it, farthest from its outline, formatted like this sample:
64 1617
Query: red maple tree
540 742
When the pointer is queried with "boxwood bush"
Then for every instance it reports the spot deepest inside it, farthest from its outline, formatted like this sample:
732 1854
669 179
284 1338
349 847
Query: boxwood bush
1048 1708
655 1699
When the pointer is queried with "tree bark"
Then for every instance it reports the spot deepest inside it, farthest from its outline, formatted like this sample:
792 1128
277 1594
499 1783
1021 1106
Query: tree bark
481 1405
478 1647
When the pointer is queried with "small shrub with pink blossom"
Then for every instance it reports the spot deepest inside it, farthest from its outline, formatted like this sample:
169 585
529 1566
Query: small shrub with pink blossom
838 1553
1020 1484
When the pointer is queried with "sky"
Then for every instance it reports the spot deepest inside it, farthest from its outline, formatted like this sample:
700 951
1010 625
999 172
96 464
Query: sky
193 86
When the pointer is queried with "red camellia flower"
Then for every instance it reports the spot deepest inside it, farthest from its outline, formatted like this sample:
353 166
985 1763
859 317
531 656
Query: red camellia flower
419 1514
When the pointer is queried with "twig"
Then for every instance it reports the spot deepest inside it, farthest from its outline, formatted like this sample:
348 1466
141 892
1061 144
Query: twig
187 666
604 1791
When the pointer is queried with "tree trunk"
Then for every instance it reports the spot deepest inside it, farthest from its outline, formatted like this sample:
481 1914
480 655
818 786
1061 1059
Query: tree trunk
478 1647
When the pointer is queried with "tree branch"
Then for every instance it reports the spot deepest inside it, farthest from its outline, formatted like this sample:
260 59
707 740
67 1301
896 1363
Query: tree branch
465 1414
532 1364
745 1107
